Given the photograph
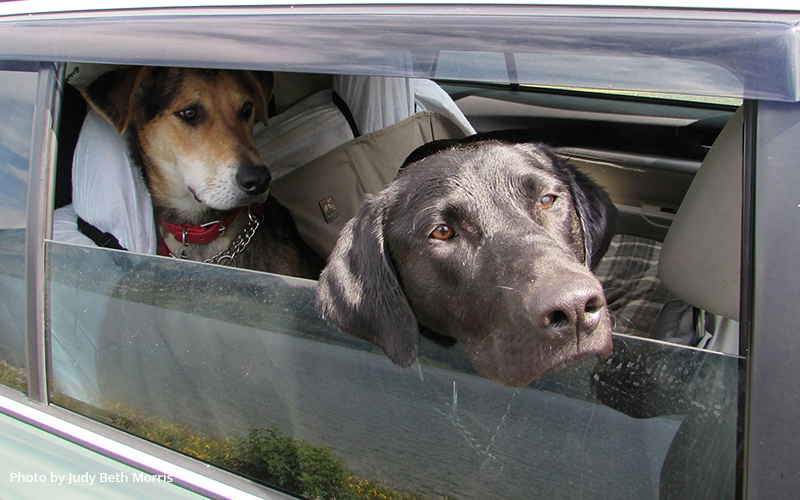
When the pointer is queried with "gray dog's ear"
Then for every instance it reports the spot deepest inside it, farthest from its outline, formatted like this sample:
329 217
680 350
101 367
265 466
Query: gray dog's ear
596 211
359 290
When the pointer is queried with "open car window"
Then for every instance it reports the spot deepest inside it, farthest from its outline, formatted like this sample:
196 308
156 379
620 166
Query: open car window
236 368
17 101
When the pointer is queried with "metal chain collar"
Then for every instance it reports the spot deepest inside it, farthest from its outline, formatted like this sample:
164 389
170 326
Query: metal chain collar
228 256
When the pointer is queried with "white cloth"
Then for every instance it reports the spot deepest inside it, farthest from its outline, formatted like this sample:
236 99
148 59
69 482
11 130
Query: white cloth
65 227
315 126
376 102
429 96
306 131
108 190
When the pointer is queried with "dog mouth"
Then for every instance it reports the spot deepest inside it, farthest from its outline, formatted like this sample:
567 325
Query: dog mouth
225 200
517 360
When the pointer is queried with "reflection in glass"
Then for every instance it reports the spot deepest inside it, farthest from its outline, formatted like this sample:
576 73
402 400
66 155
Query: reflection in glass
17 100
236 367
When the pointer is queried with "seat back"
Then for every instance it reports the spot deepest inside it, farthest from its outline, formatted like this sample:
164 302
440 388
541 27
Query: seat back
701 254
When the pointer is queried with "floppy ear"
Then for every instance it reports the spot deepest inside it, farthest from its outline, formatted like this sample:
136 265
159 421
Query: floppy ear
596 210
265 83
113 94
359 290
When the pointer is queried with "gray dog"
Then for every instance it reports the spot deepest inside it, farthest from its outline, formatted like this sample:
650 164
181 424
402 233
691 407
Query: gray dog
488 244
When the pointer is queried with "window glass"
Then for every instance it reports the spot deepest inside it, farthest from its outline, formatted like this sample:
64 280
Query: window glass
236 368
17 100
480 66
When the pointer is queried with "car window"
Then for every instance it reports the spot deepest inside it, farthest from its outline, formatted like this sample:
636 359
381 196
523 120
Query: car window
17 101
237 368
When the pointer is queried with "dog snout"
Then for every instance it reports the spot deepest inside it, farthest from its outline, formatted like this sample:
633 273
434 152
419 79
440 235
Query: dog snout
253 179
566 307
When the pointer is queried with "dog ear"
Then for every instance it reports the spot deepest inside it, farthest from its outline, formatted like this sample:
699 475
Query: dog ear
113 94
265 83
596 210
359 290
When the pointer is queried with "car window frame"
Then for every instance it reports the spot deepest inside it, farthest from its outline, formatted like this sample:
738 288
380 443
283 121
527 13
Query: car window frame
758 267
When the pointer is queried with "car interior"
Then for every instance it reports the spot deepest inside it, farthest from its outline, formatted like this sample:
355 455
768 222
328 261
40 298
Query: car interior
671 163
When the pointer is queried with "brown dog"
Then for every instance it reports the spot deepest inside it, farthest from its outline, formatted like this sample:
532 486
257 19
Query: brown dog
191 132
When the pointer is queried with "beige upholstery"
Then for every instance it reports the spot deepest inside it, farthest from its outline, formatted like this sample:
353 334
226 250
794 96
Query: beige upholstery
700 257
337 182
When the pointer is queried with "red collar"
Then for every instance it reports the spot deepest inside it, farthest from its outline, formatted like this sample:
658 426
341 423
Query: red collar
202 233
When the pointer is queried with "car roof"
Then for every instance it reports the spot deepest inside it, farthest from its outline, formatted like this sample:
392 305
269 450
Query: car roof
58 6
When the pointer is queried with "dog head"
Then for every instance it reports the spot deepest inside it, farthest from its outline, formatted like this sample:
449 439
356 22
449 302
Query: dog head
192 131
488 244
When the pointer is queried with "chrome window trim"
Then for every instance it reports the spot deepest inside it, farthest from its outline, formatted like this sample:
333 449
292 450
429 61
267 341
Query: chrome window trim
41 190
148 457
758 49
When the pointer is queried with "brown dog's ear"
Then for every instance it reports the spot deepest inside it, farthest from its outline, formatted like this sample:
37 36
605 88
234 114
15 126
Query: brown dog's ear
360 292
113 94
265 83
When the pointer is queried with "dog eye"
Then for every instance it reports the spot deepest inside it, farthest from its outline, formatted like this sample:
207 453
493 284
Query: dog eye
247 111
189 114
547 201
443 232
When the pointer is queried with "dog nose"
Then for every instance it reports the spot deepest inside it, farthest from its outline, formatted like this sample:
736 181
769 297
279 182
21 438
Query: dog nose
567 306
253 179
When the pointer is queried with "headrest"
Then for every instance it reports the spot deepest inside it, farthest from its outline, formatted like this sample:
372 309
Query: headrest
108 191
701 254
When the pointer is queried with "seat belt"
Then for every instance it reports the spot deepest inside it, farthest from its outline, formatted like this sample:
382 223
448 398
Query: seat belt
345 110
101 239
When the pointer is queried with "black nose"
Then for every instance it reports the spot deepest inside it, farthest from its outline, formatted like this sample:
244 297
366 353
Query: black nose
567 306
253 179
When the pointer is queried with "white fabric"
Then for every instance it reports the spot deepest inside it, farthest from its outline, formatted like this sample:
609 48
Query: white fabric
65 227
302 133
376 102
108 191
315 126
429 96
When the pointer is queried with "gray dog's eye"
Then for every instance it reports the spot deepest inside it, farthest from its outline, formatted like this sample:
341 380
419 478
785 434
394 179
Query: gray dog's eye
443 232
547 201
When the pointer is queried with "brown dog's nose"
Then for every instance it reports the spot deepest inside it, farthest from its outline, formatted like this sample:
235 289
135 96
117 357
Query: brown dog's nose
253 179
567 306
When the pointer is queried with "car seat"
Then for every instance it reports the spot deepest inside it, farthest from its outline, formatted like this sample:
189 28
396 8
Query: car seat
700 258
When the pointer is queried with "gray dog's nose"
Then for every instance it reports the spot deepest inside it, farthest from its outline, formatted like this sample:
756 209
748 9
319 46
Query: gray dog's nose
567 306
253 179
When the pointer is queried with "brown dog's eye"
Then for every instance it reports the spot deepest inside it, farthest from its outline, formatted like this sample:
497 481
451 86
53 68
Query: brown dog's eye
443 232
247 111
547 201
189 114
